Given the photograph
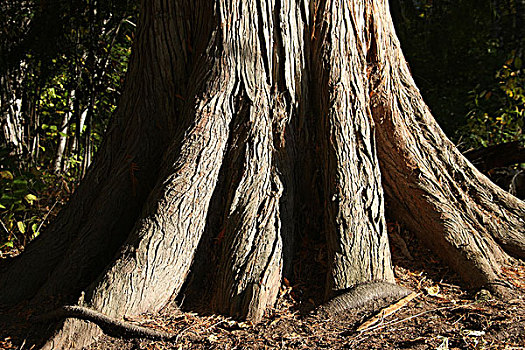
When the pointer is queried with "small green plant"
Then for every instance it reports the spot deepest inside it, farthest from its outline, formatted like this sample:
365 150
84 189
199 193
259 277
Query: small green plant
28 198
18 208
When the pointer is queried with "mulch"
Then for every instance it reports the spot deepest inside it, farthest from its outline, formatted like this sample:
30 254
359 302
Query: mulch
444 314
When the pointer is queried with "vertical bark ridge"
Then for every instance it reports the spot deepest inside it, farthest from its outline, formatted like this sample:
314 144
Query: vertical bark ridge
289 105
431 186
156 258
251 261
355 226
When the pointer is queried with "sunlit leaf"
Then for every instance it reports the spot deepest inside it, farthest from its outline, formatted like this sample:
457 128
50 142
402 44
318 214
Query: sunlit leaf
30 198
20 182
21 226
8 244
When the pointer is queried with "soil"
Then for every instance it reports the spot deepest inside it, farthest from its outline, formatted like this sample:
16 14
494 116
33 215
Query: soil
443 315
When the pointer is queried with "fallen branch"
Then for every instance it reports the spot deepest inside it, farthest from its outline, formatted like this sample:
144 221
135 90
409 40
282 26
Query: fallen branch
391 323
387 311
501 155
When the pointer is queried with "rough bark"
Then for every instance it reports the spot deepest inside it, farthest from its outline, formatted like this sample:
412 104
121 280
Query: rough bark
355 223
109 325
470 222
251 263
232 110
362 296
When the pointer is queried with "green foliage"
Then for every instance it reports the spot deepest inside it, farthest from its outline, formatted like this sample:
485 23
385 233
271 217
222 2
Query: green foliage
455 50
21 211
497 113
65 63
16 209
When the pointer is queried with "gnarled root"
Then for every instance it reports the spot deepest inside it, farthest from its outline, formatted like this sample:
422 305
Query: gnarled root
109 325
361 297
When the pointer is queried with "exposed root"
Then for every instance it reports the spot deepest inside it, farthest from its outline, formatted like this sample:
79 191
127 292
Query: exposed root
357 298
362 296
109 325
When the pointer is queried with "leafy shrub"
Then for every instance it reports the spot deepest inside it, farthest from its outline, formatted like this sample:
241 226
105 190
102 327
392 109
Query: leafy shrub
28 199
497 113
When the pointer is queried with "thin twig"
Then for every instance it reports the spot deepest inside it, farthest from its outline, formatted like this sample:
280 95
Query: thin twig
4 227
45 217
184 331
129 22
387 311
7 231
381 326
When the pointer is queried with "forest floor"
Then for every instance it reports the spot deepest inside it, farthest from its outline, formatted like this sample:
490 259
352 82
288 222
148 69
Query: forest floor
442 315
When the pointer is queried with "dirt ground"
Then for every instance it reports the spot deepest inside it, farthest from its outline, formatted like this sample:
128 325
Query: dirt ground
442 314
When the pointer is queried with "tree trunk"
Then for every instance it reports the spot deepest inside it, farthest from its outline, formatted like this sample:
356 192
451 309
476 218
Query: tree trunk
234 115
354 216
63 136
11 116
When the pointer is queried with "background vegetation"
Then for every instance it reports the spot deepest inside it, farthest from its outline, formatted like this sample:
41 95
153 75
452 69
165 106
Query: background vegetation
467 59
63 64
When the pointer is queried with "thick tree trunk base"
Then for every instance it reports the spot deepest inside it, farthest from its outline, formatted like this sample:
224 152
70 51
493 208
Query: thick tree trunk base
216 119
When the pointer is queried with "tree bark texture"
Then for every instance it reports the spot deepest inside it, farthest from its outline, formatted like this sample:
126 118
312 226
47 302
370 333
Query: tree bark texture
234 115
356 230
470 222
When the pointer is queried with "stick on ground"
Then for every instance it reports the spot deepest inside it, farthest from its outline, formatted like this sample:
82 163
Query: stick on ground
387 311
